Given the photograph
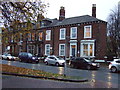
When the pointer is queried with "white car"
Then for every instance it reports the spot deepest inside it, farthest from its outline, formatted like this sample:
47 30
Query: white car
114 66
54 60
8 57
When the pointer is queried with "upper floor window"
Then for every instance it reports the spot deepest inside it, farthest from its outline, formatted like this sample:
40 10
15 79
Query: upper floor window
73 34
29 36
21 37
40 36
88 31
48 34
33 36
62 33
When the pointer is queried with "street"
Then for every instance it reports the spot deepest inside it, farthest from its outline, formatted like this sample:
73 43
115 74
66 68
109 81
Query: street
101 78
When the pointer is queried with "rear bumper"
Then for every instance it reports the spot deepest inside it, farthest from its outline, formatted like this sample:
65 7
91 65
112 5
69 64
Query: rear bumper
95 67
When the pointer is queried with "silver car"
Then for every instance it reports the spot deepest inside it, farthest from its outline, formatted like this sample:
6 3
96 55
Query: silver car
114 66
54 60
8 57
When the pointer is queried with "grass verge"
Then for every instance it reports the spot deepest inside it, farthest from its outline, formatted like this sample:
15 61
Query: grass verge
25 71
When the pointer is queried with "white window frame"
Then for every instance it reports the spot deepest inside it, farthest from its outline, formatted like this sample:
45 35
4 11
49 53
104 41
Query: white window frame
31 49
29 37
71 33
90 31
21 37
61 50
46 49
48 34
71 48
88 42
40 36
62 33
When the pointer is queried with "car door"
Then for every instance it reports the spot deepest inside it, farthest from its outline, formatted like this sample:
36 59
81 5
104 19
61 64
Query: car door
50 60
118 64
53 60
82 63
77 63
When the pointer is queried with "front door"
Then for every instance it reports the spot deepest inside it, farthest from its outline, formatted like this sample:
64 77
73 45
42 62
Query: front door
73 49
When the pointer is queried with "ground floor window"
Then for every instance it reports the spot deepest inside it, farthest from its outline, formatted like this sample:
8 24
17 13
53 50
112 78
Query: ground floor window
87 48
62 50
31 49
20 49
47 49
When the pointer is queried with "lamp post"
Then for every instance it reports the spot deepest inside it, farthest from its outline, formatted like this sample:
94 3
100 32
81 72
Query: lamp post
65 66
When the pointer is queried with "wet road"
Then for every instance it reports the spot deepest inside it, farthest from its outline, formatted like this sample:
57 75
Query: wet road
101 76
22 82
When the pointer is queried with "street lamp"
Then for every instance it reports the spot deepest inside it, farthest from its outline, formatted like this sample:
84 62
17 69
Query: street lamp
65 66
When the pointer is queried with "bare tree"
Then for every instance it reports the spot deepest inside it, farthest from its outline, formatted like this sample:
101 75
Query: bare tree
17 14
20 19
114 32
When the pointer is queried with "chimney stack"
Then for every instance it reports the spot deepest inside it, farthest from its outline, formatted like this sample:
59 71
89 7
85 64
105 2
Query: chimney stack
94 10
62 13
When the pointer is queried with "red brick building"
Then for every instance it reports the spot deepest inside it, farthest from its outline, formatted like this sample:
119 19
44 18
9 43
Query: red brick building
83 36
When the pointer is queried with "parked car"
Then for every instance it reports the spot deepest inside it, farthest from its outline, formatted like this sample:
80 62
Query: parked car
114 66
52 59
78 62
28 57
8 57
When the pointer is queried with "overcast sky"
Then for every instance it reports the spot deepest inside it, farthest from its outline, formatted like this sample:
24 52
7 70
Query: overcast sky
81 7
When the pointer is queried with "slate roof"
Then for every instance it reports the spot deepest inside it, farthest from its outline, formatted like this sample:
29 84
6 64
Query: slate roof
73 20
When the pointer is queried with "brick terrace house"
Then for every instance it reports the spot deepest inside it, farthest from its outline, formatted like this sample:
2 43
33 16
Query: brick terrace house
82 36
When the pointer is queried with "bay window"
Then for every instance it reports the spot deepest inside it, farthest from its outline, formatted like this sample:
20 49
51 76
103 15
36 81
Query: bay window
87 48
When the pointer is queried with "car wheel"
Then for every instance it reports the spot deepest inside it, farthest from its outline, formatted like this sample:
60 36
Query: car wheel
20 60
7 58
88 67
71 65
46 63
37 61
113 69
57 64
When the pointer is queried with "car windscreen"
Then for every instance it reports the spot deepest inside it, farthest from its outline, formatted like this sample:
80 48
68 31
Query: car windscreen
60 58
30 55
8 55
87 60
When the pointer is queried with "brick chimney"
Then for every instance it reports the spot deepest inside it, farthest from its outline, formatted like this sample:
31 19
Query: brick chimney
94 10
62 13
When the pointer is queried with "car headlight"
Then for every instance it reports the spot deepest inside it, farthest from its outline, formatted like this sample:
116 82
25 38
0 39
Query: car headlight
33 57
93 64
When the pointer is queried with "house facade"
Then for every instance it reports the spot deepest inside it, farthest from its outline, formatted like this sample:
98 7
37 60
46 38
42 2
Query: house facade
81 36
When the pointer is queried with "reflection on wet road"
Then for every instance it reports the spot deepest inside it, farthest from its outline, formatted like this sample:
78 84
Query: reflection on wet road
96 77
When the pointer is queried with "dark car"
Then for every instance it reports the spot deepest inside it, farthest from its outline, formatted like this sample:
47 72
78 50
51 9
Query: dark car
83 63
28 57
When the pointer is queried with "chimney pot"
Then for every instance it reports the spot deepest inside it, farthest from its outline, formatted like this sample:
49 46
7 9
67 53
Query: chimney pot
62 13
94 10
